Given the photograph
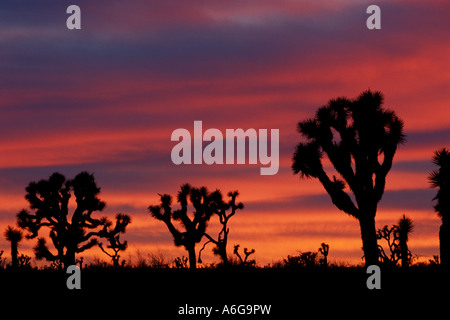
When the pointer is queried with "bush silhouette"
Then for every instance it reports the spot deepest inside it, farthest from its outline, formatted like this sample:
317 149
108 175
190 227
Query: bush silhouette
360 139
388 234
244 262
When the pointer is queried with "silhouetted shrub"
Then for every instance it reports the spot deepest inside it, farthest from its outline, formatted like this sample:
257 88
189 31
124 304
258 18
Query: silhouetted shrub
180 262
303 259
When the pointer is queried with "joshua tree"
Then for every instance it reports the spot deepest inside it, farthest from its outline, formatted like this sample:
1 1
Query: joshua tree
360 138
397 240
303 259
2 260
222 239
403 229
14 236
247 254
49 201
180 262
440 179
113 237
390 235
205 204
324 250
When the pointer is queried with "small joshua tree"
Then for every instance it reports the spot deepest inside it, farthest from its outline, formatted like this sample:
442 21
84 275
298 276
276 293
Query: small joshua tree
324 250
396 238
205 204
388 234
222 239
244 262
113 238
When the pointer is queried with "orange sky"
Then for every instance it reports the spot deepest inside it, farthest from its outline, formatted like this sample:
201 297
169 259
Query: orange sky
106 99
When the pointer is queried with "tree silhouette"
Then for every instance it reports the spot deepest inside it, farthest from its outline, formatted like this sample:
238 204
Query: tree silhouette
222 239
113 237
247 253
14 236
24 261
205 204
360 139
49 200
440 179
404 227
397 239
324 250
389 235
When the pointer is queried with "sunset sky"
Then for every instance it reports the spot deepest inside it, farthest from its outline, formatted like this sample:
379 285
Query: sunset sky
106 99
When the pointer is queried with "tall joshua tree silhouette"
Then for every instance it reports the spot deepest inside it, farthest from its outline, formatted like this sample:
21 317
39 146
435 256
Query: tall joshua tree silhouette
440 179
360 139
204 204
49 199
14 236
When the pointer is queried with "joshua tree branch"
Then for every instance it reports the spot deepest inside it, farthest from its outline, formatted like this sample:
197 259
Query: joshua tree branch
338 196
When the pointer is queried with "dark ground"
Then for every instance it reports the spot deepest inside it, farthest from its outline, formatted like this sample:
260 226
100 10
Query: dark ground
292 293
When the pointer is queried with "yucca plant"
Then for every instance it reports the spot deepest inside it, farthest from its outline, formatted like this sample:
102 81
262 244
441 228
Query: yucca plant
403 229
14 236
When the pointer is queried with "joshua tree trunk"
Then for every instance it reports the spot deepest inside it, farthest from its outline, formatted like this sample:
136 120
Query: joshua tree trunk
369 239
192 258
222 251
404 253
444 244
69 258
14 254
